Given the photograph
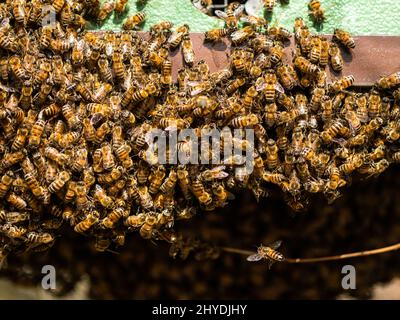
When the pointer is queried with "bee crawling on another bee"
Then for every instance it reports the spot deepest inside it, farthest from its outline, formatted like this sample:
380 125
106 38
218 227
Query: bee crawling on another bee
268 253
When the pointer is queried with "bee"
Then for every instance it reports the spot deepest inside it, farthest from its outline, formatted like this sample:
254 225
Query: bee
118 66
176 37
272 160
16 201
20 139
331 131
316 11
234 85
216 34
354 121
230 16
59 182
335 59
16 68
161 27
169 183
388 82
275 178
316 49
200 192
239 36
135 221
166 72
396 157
344 38
341 84
245 121
352 163
39 238
249 97
184 182
327 109
374 105
276 53
58 157
91 219
156 179
134 21
287 76
105 10
187 50
147 229
104 69
36 133
269 5
305 65
6 182
120 6
268 253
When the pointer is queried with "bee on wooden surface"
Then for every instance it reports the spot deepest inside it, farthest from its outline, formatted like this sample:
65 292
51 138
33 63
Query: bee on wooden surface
344 38
341 84
268 253
187 50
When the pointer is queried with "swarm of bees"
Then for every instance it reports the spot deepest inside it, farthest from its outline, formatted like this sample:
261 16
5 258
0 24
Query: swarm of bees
76 108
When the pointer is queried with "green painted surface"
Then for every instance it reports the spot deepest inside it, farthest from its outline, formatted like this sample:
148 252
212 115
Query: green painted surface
361 17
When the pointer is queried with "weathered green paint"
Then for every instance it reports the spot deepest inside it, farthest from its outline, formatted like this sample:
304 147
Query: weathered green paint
361 17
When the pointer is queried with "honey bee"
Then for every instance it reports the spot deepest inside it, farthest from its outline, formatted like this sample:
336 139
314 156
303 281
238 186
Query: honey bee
147 229
6 182
58 157
287 76
268 253
120 6
57 184
91 219
135 221
305 66
16 201
341 84
231 16
235 85
20 139
187 50
245 121
134 21
36 133
105 10
344 38
200 192
169 183
39 238
316 11
176 37
389 81
239 36
336 59
352 163
374 105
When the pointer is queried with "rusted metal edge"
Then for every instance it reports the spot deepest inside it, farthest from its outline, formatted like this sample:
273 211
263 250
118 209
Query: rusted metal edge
373 57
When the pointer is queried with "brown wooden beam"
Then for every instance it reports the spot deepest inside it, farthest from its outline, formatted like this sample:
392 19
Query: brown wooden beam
373 57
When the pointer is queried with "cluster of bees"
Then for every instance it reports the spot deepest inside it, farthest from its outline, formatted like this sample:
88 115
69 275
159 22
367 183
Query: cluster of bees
366 217
76 107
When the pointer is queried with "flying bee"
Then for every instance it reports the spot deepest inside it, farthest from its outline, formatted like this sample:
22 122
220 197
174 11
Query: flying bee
134 21
316 11
230 16
341 84
187 50
268 253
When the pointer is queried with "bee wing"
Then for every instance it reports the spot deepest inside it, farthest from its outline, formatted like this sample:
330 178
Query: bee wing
239 10
254 257
175 35
275 245
253 7
221 14
279 88
261 86
237 35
